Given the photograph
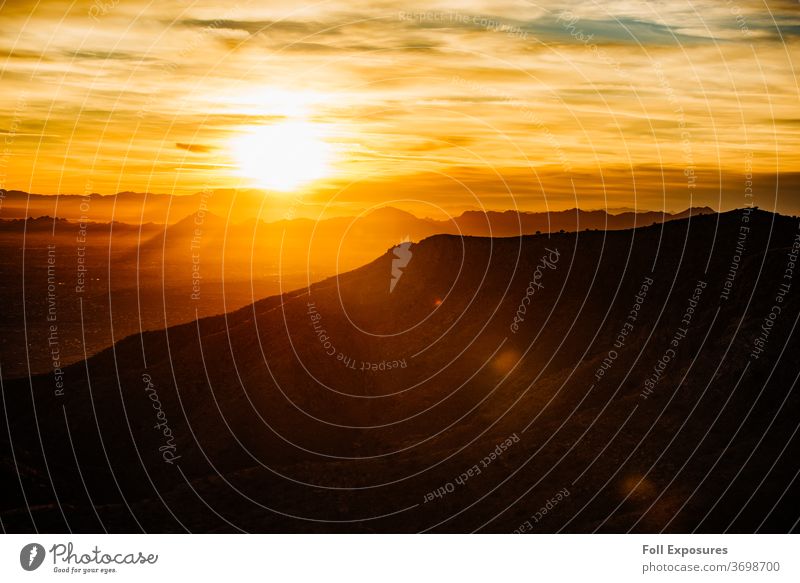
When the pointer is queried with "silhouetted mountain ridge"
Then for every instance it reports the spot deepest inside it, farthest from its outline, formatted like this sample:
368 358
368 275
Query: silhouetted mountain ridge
345 401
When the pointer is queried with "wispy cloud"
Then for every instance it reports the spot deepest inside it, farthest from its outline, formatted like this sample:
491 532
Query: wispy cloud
196 148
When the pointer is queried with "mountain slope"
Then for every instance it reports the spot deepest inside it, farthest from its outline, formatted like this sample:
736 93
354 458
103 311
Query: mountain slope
344 407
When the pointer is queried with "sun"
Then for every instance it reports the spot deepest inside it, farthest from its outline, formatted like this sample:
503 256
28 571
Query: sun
283 156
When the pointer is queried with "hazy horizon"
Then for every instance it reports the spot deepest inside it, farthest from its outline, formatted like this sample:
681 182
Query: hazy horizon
297 208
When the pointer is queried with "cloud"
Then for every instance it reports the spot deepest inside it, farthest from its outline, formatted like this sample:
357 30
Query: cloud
263 26
196 148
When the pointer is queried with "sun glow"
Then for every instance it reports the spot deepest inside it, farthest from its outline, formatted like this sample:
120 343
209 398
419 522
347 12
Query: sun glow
283 156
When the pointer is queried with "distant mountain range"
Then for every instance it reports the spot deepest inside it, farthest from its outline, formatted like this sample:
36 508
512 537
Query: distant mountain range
133 207
148 276
126 207
622 374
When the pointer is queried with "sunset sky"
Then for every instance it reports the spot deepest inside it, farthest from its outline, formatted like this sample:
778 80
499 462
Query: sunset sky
453 105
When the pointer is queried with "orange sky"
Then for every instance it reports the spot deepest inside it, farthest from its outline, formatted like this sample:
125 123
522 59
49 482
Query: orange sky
425 105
